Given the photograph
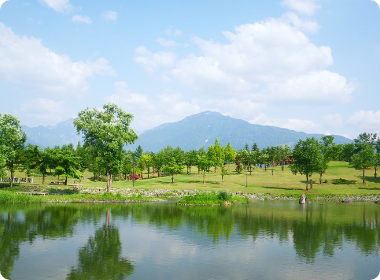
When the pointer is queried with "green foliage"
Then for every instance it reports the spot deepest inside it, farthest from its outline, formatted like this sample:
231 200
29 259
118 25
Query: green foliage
106 132
341 181
224 196
307 158
364 156
12 140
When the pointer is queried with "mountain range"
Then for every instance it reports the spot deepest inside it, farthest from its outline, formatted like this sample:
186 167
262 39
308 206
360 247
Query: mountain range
193 132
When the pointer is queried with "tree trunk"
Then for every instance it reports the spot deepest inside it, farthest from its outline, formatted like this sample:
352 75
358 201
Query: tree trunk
320 178
12 175
66 181
204 174
109 180
172 178
311 183
43 178
307 182
363 177
375 172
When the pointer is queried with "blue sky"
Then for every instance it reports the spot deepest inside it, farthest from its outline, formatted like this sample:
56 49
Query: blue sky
306 65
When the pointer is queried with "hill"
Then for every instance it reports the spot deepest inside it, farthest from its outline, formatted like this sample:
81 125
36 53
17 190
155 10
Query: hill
193 132
202 129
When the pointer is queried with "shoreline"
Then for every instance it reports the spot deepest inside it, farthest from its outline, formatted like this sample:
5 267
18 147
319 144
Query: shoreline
38 194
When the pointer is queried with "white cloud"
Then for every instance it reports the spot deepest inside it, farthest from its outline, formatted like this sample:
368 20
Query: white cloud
151 112
303 25
303 125
307 7
152 60
81 19
110 15
173 32
61 6
27 64
322 86
45 110
264 61
166 43
366 121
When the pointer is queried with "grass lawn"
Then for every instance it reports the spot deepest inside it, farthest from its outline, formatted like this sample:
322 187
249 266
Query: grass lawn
261 181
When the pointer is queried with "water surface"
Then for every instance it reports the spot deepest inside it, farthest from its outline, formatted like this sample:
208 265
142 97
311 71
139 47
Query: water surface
261 240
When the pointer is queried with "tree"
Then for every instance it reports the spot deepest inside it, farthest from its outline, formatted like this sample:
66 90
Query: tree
204 164
327 149
230 154
12 139
364 156
174 161
306 158
190 159
147 158
68 163
106 132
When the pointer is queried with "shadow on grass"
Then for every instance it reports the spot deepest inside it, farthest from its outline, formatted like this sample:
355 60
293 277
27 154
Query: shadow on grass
371 179
369 189
283 188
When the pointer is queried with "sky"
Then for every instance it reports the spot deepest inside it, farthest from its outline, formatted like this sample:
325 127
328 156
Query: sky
305 65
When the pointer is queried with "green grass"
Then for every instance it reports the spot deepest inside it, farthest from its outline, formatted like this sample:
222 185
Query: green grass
209 199
281 183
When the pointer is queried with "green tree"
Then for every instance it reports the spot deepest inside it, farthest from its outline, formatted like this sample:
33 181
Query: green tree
230 154
190 159
12 140
106 132
327 149
174 161
306 158
147 158
204 164
364 156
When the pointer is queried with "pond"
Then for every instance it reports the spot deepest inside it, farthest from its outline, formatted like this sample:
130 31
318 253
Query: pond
261 240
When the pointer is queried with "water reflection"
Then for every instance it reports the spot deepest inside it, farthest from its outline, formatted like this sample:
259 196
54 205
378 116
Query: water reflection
101 257
312 230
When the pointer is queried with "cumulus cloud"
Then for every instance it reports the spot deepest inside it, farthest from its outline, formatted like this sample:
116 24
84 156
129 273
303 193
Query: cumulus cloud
61 6
152 60
166 43
27 64
151 112
366 121
264 61
81 19
110 15
307 7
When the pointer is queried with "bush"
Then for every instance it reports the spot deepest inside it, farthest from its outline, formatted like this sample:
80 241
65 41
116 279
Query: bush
224 196
341 181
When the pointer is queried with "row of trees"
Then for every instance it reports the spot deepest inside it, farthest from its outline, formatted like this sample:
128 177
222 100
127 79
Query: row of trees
312 156
106 132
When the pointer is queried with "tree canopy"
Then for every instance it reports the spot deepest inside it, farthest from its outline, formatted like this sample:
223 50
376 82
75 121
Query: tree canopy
106 132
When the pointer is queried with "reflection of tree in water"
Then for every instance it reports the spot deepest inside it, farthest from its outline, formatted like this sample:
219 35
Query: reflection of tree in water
101 257
49 222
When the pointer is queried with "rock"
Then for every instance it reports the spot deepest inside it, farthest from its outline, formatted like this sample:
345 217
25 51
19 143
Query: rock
346 200
308 199
302 199
377 202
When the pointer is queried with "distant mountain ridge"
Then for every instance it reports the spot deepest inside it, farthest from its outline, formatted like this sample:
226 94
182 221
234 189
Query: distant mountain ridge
196 131
193 132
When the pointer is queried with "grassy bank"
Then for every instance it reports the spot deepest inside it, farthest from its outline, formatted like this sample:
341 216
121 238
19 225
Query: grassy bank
340 180
209 199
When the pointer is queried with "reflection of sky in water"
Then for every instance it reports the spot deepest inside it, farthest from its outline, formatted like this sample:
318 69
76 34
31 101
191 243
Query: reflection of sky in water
185 252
